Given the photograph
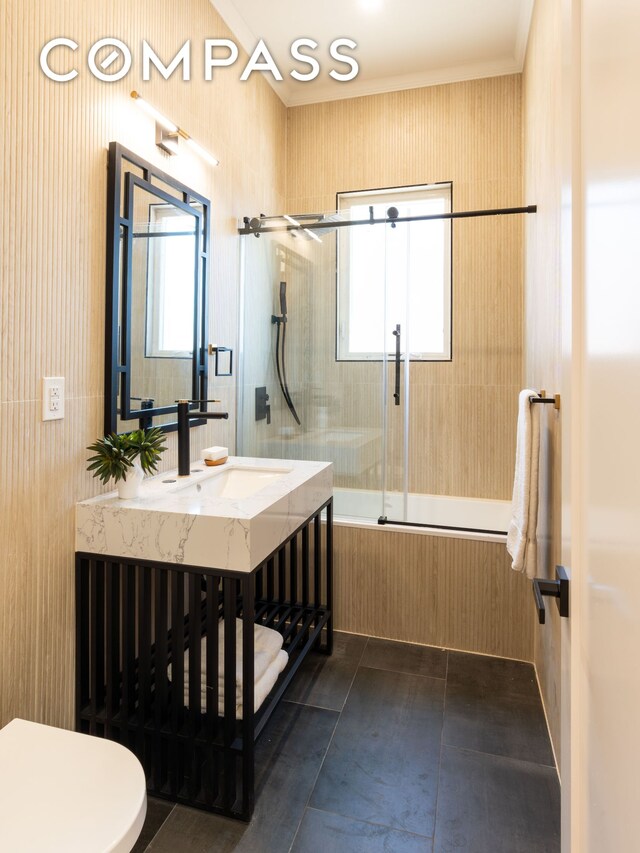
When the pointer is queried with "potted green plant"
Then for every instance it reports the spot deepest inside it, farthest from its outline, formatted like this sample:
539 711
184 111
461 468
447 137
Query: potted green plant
126 458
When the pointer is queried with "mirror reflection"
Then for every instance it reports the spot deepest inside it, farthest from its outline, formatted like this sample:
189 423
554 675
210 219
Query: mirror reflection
164 272
165 247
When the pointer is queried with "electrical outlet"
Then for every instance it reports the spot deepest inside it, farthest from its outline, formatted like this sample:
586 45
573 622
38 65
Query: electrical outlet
52 398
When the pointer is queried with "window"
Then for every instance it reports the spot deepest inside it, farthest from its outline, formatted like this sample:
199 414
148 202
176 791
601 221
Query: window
388 276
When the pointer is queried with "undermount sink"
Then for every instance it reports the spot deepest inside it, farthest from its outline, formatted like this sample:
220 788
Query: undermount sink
234 483
228 517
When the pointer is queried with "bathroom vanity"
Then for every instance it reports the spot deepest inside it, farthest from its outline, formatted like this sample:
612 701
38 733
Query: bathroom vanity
164 582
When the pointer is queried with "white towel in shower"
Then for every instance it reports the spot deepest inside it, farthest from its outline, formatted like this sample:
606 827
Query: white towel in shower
521 537
261 689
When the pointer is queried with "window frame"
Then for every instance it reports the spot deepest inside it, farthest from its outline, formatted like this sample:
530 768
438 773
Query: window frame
340 296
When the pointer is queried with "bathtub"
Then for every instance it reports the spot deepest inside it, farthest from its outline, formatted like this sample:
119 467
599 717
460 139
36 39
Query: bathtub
449 587
453 517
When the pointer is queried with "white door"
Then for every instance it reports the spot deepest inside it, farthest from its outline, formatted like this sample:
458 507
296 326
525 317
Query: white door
601 442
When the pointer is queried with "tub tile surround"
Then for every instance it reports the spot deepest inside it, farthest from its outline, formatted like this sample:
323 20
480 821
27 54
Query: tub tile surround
169 523
463 593
360 776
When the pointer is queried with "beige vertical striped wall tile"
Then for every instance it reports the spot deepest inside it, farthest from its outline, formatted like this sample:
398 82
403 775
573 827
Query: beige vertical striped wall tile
462 412
542 117
52 257
433 590
52 293
468 132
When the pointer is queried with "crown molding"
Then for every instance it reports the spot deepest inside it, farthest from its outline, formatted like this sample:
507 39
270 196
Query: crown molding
361 88
319 91
522 35
240 29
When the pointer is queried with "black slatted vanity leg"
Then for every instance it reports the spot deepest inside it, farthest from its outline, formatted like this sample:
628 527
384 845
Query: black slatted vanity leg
248 698
195 679
211 775
329 579
317 570
177 681
229 792
161 584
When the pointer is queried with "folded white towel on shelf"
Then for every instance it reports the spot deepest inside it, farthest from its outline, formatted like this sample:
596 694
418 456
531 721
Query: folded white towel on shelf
521 536
264 640
261 690
267 645
261 663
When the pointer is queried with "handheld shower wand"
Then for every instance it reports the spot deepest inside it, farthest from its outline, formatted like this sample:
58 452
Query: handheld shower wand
281 368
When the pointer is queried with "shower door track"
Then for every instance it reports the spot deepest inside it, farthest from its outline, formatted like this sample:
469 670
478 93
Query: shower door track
317 226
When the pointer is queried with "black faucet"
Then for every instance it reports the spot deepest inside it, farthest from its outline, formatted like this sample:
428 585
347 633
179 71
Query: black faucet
184 416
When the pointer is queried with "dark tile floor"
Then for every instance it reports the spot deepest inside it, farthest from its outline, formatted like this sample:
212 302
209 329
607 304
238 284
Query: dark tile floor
391 748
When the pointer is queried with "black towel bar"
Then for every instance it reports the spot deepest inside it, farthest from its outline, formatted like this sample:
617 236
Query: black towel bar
541 398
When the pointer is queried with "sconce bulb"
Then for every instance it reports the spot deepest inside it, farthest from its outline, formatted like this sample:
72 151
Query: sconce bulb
202 152
162 120
170 144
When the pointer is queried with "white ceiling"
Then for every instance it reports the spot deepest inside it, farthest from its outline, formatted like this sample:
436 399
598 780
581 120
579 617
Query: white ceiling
402 44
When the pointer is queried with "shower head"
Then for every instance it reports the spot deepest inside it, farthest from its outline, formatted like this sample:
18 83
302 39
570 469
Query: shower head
283 299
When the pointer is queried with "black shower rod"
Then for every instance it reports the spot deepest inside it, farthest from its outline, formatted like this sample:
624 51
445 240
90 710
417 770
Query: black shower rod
317 226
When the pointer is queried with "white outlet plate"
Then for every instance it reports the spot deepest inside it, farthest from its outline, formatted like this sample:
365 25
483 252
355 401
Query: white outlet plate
52 398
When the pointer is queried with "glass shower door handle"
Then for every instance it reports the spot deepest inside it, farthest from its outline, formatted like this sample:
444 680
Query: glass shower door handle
396 393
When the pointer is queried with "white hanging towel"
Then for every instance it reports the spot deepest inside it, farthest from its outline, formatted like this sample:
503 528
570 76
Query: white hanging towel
521 537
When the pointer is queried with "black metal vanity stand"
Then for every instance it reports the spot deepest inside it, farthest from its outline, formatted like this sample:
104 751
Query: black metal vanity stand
134 620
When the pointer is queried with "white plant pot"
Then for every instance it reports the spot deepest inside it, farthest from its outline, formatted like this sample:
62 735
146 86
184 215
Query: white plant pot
130 487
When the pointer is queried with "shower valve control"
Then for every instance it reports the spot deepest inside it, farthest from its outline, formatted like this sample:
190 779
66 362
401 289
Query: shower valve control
263 409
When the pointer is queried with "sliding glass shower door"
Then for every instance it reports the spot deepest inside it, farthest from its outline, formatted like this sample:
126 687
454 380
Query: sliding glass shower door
366 378
417 343
299 398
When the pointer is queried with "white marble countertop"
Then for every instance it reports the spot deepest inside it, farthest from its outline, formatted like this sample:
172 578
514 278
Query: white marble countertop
170 525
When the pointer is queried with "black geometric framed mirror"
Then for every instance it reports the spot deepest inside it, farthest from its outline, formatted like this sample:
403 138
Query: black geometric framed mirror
158 250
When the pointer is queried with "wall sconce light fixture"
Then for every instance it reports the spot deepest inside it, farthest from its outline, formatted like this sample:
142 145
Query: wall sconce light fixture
168 134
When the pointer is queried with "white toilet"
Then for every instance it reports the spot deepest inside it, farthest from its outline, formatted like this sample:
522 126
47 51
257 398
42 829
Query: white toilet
64 792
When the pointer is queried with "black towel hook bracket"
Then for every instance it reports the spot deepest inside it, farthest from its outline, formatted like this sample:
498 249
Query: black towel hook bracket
558 589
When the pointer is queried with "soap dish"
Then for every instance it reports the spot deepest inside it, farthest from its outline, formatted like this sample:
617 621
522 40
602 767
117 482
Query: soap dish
215 455
212 462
